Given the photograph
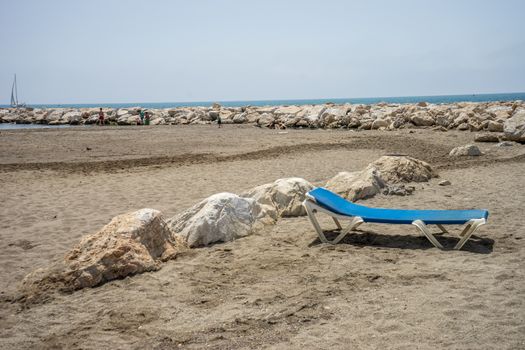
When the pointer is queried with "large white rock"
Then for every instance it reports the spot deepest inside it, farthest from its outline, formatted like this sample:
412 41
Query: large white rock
265 119
130 244
356 185
381 123
422 119
384 173
514 127
339 111
312 113
467 150
397 169
282 198
288 110
73 117
222 217
494 126
122 112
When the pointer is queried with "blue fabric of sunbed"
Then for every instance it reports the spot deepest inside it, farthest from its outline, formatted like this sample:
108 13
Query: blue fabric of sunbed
341 206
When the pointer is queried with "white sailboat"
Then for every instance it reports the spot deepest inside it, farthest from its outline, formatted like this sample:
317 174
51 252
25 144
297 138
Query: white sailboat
14 96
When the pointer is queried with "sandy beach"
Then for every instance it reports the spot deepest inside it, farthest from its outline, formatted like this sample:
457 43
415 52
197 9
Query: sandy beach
385 286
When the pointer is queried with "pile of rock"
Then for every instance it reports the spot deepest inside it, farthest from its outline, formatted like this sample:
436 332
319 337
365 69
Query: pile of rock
388 175
508 117
141 241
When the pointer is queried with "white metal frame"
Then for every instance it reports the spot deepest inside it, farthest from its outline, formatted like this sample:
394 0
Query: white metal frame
312 207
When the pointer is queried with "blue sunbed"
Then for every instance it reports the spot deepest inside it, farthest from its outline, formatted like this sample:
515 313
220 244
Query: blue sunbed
323 200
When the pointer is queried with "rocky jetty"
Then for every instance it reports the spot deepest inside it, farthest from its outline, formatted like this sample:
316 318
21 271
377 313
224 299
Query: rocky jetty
507 117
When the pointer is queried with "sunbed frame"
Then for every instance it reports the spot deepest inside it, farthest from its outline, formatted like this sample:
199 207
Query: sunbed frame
312 208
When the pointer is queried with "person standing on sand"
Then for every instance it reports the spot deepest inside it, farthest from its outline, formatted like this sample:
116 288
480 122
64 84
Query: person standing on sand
141 113
146 119
219 120
101 117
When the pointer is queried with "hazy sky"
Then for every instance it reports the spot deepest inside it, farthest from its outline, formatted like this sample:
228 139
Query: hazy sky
173 51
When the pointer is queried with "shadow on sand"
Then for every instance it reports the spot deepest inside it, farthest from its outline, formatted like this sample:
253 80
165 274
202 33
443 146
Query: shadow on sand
475 244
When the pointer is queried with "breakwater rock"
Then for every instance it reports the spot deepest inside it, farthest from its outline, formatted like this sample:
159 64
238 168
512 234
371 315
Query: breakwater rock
473 116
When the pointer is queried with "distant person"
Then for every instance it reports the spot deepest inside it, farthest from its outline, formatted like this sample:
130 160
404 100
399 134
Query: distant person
101 117
219 121
141 113
146 118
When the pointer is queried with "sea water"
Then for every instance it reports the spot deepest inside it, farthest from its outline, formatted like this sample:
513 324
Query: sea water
365 100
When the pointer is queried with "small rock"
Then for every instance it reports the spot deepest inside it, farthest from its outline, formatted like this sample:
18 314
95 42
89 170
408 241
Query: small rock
505 144
487 138
468 150
494 126
398 190
444 183
463 126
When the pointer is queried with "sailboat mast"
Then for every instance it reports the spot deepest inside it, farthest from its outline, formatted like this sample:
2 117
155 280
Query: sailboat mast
13 94
16 92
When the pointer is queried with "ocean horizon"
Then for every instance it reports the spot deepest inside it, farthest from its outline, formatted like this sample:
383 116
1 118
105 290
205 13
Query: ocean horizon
435 99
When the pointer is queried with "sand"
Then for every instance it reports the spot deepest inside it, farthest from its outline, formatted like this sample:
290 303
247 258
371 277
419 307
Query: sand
382 287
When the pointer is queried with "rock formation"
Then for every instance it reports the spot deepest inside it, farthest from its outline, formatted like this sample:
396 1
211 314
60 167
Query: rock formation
282 198
386 175
222 217
130 244
514 127
467 150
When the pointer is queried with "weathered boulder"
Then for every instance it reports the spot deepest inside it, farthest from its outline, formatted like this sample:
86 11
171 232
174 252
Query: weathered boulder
422 119
381 123
287 110
338 111
312 113
222 217
239 118
514 127
356 185
494 126
467 150
73 117
487 138
265 119
463 126
396 169
131 243
122 112
282 198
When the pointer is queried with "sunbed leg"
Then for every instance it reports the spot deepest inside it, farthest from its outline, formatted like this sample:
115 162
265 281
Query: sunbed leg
356 221
471 227
337 223
442 228
314 222
423 228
